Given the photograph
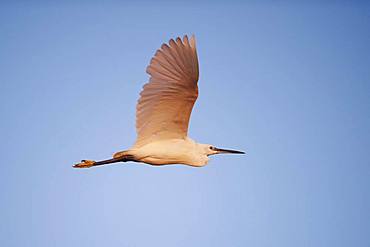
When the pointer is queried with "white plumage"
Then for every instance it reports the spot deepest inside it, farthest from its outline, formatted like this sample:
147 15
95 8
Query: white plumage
165 105
163 111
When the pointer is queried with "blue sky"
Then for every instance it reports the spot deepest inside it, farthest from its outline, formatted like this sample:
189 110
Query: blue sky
288 83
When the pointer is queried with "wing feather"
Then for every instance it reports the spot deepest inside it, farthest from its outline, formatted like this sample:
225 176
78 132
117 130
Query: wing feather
166 101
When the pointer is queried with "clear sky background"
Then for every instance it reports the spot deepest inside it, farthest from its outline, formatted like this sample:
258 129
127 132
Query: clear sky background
287 83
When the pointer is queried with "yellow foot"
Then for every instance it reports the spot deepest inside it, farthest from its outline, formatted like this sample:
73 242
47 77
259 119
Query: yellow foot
84 164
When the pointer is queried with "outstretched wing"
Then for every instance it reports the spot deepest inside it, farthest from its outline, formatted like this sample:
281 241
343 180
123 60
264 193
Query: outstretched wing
165 104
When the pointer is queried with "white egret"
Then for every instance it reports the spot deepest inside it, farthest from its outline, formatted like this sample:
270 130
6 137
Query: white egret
163 112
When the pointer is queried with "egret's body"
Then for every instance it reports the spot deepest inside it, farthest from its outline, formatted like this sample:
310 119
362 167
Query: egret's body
163 112
171 151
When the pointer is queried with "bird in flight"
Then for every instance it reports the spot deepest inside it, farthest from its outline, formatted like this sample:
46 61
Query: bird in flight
163 112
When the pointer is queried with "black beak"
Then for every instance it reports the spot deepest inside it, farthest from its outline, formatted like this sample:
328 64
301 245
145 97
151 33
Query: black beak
228 151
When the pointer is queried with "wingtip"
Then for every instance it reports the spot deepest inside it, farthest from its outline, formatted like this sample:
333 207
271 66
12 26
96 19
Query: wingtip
192 41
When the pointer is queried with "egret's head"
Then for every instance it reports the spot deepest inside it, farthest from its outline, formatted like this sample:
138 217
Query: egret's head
210 150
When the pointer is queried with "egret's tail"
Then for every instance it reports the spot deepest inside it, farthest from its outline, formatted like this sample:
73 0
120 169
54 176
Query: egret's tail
91 163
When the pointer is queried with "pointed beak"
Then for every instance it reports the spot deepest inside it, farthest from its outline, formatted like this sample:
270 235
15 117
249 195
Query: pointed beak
228 151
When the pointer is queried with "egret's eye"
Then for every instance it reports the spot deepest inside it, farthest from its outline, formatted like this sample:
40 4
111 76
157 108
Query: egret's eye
211 147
